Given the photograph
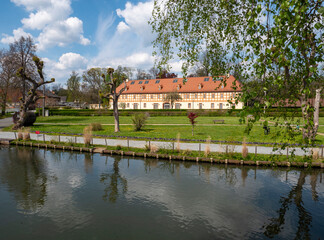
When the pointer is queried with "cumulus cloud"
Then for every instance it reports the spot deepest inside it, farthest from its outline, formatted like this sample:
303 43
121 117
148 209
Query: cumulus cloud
67 63
136 18
62 33
52 19
17 33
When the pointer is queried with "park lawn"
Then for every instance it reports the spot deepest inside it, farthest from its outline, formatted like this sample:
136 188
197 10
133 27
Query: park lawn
216 132
128 120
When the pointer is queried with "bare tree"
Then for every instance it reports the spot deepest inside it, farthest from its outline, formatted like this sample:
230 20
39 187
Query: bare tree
7 76
172 97
113 79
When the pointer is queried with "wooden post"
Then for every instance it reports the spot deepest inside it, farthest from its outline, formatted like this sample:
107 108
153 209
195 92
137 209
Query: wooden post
322 153
256 150
59 138
75 139
173 146
287 152
128 143
16 139
199 147
226 151
106 141
44 137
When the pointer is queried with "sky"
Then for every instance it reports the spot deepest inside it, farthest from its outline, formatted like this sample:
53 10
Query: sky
80 34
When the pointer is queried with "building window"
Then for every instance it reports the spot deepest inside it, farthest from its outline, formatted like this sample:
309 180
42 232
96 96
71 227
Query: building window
151 96
189 105
204 95
177 106
132 82
175 80
222 95
146 82
233 95
125 96
144 105
196 95
222 86
188 96
200 105
144 96
206 79
134 96
140 82
212 106
213 95
128 105
156 106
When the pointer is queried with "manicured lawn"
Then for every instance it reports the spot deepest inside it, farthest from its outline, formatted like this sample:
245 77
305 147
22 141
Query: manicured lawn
216 132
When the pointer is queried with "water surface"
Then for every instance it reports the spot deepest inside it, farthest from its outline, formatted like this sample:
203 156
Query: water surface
63 195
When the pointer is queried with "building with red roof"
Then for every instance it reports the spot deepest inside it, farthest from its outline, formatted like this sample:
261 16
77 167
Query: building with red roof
196 93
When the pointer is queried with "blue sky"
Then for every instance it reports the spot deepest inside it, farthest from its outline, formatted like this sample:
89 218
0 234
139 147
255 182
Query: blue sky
80 34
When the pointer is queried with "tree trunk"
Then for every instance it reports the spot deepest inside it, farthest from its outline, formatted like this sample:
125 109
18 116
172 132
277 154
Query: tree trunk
306 117
116 113
192 130
3 105
316 112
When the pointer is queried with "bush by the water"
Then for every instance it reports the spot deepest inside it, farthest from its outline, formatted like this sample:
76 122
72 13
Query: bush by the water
139 120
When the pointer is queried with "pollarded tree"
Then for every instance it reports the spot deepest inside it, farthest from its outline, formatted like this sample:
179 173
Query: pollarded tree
278 42
32 95
172 97
112 80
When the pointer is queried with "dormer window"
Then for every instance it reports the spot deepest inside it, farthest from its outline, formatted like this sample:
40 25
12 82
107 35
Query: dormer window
142 88
200 86
175 80
160 87
178 87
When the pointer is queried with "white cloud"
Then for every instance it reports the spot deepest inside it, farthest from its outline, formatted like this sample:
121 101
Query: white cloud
67 63
17 33
136 17
122 27
51 17
62 33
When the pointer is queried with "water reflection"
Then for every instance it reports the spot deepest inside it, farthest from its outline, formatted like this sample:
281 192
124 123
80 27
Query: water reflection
112 181
24 173
295 197
187 200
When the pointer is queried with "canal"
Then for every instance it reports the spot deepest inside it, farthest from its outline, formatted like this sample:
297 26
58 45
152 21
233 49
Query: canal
48 194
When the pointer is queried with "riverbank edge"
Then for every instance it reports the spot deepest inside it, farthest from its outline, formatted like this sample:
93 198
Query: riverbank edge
166 156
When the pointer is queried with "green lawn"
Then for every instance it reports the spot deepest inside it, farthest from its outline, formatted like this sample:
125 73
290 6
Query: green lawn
230 131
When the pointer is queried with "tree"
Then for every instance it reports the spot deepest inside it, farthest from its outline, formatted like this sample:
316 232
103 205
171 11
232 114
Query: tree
112 80
279 42
172 97
142 74
94 83
192 116
23 51
7 77
73 87
163 73
32 96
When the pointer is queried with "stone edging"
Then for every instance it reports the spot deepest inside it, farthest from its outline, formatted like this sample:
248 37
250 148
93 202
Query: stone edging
174 157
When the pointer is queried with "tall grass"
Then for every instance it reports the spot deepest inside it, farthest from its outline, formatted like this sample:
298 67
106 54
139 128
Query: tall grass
87 135
207 148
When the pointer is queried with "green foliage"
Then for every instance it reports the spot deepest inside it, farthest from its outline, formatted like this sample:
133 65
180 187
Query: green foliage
172 97
139 120
276 46
73 87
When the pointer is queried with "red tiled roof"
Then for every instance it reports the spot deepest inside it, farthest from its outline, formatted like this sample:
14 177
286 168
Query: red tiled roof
193 84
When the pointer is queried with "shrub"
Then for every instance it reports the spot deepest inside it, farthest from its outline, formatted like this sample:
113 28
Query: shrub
96 126
154 148
118 147
207 149
139 120
87 135
315 154
20 135
245 150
